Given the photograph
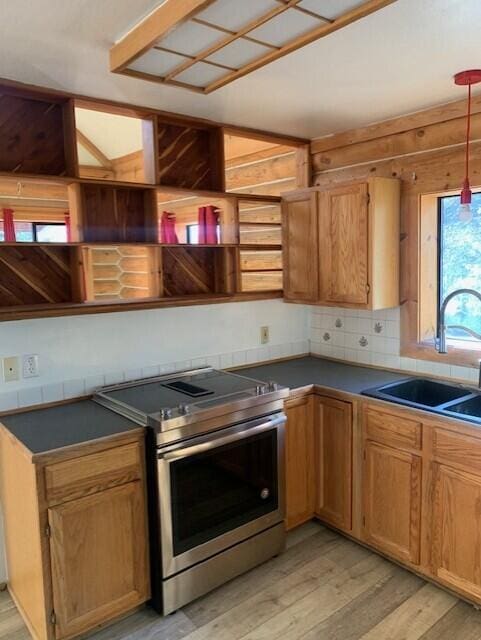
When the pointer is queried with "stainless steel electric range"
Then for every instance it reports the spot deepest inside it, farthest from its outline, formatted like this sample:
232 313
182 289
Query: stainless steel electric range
216 476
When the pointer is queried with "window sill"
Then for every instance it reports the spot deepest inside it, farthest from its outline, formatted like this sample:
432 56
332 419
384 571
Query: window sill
457 354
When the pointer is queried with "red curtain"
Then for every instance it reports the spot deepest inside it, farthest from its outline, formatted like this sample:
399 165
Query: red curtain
167 228
208 222
8 226
68 227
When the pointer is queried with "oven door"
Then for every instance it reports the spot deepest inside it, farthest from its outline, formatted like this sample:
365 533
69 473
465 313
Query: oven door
219 489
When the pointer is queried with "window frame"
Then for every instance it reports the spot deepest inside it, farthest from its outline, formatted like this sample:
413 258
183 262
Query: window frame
419 312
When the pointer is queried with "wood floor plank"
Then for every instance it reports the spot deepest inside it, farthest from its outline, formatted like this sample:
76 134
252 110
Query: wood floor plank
462 621
278 596
230 595
298 535
147 625
415 616
332 594
369 609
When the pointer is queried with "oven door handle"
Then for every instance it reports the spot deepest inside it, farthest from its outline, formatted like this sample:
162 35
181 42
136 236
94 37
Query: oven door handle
218 441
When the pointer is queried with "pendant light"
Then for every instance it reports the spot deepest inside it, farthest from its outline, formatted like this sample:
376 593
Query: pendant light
467 78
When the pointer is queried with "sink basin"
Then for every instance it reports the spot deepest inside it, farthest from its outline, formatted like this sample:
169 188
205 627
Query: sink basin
425 392
418 392
470 407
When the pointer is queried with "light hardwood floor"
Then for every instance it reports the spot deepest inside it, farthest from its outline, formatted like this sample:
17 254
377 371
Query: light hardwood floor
324 587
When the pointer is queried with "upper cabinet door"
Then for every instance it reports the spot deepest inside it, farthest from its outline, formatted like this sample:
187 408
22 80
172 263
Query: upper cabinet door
301 281
343 244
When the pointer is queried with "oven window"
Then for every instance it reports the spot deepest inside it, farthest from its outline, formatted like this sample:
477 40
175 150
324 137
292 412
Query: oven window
219 490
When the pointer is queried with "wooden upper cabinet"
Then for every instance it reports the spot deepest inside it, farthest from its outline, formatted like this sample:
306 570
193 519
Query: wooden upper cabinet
300 490
392 501
334 462
99 557
349 235
343 244
301 271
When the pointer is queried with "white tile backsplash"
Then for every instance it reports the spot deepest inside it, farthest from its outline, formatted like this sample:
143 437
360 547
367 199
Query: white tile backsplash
381 330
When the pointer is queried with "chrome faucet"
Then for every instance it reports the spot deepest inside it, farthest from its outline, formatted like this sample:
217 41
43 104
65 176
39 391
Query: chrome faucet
441 341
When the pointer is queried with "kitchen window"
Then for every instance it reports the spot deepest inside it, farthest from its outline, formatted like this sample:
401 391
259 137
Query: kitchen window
459 266
442 254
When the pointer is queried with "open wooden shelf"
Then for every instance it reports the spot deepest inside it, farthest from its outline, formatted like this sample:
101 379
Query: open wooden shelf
114 258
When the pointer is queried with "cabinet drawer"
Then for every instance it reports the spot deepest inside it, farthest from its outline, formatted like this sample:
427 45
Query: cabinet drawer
89 474
457 449
394 430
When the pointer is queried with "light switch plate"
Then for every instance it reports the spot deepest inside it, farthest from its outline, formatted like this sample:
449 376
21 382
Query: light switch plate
10 368
264 335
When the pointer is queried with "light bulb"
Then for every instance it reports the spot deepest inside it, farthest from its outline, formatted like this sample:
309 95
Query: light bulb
465 213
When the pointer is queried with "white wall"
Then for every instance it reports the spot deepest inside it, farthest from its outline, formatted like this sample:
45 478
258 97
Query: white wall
380 348
79 353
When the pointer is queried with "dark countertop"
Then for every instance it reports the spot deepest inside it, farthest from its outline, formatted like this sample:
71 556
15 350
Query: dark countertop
44 430
325 373
79 422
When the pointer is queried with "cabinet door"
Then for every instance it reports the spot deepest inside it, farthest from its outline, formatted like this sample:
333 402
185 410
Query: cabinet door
343 244
99 560
392 501
300 250
456 530
300 489
334 462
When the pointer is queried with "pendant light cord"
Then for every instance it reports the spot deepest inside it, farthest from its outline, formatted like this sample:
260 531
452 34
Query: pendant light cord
468 131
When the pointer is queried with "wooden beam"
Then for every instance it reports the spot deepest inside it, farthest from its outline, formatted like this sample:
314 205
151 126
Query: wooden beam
142 37
347 18
441 113
89 146
414 141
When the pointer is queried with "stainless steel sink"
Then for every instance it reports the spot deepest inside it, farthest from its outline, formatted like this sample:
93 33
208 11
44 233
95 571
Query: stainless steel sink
423 394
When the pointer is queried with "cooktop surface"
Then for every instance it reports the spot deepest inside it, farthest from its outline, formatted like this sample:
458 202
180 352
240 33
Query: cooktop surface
149 397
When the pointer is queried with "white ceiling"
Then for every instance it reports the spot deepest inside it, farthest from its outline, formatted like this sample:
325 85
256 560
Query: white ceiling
396 61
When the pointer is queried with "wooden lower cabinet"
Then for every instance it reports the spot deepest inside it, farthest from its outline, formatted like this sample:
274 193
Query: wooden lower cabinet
99 564
392 500
456 529
76 533
300 487
334 461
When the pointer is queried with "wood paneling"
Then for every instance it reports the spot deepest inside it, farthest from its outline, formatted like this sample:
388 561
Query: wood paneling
392 501
121 272
260 234
334 461
300 238
261 281
300 481
190 157
118 214
254 211
343 244
32 135
40 274
195 270
99 557
261 260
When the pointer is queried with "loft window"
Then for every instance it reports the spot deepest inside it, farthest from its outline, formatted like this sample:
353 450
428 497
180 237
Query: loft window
37 232
459 266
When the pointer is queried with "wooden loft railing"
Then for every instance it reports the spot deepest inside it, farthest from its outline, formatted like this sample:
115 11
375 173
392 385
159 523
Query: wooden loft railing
114 260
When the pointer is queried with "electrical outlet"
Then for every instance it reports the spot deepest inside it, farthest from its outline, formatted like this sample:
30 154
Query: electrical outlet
264 335
10 369
30 366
